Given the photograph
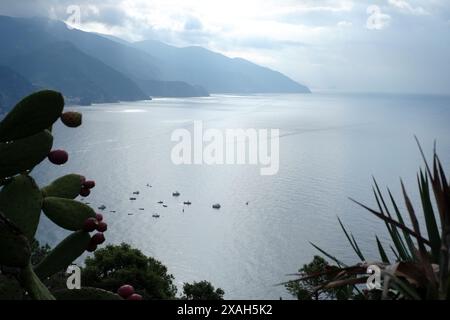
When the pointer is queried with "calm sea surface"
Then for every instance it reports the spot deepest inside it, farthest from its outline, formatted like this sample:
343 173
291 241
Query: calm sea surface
330 146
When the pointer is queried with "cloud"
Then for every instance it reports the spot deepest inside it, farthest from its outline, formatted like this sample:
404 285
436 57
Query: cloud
313 6
193 23
304 39
377 20
261 42
406 7
344 24
110 16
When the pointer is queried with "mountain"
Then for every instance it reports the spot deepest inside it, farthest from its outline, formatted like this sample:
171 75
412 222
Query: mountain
136 64
88 67
20 36
176 89
216 72
83 79
13 87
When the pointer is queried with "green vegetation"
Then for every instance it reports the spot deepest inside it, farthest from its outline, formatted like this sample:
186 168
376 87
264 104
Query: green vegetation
109 268
113 266
313 276
202 290
420 269
25 141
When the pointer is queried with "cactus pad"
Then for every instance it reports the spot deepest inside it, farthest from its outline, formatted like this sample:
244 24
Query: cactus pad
24 154
15 249
21 202
33 285
66 213
68 187
25 141
63 254
33 114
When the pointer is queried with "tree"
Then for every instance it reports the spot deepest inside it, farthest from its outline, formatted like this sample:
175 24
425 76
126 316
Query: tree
38 252
113 266
202 290
313 278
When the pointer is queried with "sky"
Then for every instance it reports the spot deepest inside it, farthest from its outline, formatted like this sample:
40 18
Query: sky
399 46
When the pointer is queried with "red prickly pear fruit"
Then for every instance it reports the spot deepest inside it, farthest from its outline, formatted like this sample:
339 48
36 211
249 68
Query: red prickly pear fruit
135 296
125 291
89 184
84 192
58 157
99 217
91 246
102 226
98 238
90 225
71 119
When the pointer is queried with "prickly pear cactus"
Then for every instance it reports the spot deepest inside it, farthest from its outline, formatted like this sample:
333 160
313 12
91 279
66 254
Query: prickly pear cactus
25 141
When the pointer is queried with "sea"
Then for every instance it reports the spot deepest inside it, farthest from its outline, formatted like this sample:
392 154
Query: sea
331 147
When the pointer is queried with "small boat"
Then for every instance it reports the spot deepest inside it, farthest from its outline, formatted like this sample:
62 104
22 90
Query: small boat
142 209
113 211
132 198
148 185
188 203
160 202
102 207
246 203
176 194
216 206
156 216
165 205
130 214
136 192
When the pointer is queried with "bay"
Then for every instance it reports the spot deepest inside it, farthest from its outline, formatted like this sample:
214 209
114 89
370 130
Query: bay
330 146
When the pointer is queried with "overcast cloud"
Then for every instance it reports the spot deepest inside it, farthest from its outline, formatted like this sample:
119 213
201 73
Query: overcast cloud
379 45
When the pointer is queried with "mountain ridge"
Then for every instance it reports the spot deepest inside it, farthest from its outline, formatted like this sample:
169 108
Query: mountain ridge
13 87
81 78
95 68
216 72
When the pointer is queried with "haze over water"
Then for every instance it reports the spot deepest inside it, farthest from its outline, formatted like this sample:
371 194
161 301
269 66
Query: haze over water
330 146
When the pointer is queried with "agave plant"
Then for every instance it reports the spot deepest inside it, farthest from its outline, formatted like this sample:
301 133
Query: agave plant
421 266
